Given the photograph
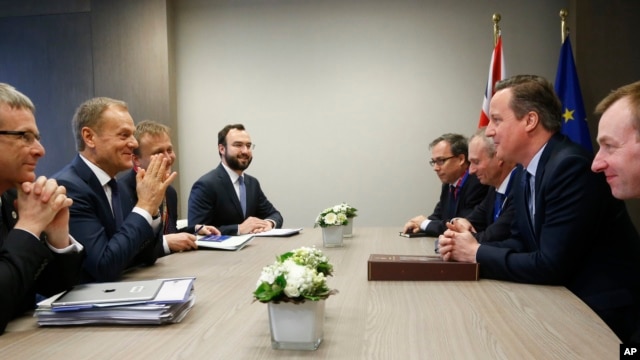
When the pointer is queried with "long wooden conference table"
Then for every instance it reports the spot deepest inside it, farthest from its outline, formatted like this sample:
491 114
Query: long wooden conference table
483 319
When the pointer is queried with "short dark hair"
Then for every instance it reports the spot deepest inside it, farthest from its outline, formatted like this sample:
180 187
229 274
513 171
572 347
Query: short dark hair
459 144
534 93
149 127
222 134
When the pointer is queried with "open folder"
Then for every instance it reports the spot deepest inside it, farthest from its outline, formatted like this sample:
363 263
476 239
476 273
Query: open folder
223 242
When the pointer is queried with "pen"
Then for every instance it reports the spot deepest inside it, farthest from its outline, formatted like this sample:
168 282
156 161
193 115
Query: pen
198 229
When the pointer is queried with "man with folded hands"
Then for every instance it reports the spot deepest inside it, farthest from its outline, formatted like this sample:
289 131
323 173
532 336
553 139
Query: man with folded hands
460 192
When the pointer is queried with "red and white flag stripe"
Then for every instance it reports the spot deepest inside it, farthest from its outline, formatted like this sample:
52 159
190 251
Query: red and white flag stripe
496 73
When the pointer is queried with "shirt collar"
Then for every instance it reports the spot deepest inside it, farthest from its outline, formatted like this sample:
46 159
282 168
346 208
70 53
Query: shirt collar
502 189
232 174
533 164
102 176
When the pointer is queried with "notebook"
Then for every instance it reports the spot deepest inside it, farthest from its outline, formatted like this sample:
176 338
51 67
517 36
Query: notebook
223 242
112 292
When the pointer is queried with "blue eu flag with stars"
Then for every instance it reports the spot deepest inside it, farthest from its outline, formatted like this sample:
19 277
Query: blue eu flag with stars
567 86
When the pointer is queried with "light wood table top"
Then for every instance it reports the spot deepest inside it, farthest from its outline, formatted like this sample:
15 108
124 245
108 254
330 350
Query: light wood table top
486 319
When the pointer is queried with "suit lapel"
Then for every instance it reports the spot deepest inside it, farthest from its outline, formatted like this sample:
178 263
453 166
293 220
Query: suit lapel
230 190
85 173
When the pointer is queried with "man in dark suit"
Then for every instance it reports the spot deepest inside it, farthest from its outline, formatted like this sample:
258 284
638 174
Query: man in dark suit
117 234
491 219
568 229
154 139
228 198
619 139
37 255
460 191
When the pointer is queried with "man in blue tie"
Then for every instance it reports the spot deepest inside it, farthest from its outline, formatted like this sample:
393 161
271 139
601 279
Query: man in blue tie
228 198
103 129
460 191
491 219
154 139
579 235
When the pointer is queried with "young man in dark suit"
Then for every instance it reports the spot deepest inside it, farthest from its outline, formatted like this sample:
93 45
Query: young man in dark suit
460 191
117 233
37 255
568 229
227 197
154 139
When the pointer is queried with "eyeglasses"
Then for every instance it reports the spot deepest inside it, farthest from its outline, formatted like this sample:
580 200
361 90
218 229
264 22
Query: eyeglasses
240 146
440 161
28 137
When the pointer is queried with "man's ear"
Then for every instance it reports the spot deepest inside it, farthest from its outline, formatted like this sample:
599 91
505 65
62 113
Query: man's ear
88 135
532 120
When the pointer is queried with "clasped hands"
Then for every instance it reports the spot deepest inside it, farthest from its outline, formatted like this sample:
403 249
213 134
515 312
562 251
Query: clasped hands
254 225
43 206
457 243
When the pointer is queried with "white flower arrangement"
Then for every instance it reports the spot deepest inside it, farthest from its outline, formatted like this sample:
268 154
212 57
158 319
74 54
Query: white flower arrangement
333 216
296 276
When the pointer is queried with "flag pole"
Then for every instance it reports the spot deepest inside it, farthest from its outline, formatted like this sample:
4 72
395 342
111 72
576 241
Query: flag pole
496 28
564 29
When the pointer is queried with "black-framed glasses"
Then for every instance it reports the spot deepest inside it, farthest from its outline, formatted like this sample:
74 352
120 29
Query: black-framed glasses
440 161
28 137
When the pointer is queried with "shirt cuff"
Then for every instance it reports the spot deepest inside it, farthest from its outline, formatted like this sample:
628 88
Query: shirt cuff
154 223
75 247
165 245
424 225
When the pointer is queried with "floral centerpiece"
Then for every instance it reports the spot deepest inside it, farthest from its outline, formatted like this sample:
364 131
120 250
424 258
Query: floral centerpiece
295 276
332 216
294 288
349 210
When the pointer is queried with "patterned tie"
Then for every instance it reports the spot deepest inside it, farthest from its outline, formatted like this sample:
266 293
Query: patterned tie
243 195
116 206
168 226
529 197
497 205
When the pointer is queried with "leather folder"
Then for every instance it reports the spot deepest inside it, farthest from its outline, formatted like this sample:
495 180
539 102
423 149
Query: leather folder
418 267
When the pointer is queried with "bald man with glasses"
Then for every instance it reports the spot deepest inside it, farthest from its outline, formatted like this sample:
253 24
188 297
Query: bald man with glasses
460 192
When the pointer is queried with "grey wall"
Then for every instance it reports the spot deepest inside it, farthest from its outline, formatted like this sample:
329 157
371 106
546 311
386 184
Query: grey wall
343 97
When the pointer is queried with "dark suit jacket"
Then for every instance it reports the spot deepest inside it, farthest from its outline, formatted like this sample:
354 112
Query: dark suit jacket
470 195
109 251
582 239
482 216
213 201
27 266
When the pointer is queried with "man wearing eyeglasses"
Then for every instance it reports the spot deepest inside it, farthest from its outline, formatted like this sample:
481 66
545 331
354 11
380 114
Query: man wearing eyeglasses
460 192
228 198
37 255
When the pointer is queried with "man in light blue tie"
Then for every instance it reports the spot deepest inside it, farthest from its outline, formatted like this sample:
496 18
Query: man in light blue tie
228 198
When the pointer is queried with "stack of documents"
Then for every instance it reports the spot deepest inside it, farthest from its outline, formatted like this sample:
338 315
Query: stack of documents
223 242
152 302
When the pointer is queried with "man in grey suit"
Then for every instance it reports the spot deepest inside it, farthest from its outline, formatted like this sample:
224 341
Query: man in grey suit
226 197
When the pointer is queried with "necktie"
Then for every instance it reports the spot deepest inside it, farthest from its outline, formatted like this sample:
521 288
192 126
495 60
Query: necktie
116 206
169 227
243 195
497 205
529 197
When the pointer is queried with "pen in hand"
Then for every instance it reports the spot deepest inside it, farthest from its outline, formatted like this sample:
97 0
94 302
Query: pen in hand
198 229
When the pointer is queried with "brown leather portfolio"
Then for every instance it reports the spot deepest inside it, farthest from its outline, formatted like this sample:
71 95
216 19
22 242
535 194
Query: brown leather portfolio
418 267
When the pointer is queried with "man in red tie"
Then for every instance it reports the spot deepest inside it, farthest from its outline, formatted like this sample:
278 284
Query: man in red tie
154 139
460 191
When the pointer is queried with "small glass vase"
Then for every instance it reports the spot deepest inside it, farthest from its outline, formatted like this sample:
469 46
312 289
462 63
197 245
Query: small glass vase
348 229
332 236
296 326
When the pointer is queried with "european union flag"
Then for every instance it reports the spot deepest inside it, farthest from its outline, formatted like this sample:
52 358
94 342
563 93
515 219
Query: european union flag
567 86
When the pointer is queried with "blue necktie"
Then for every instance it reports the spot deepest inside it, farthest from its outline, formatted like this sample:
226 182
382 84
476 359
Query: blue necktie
116 206
497 205
243 195
529 197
